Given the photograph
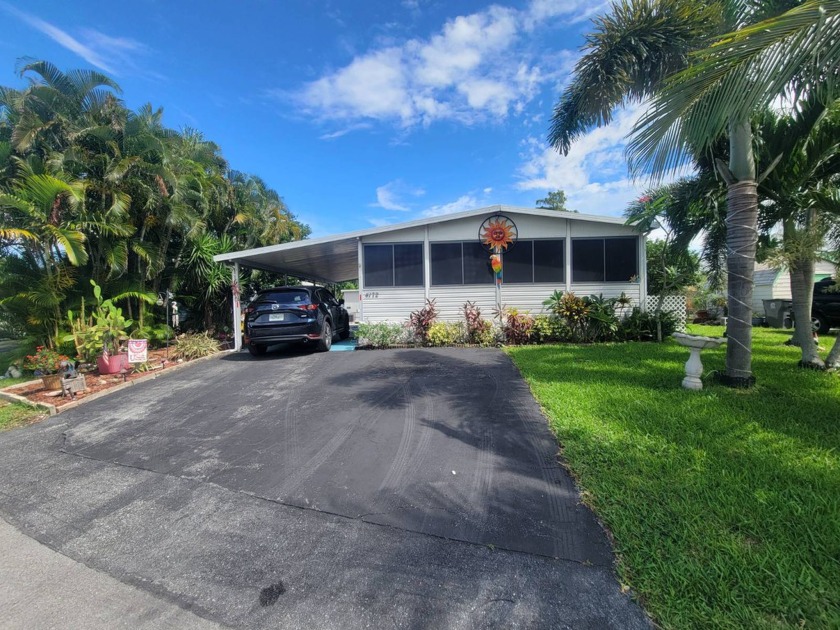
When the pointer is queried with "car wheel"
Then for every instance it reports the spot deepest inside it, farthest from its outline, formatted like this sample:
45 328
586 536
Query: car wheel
325 342
820 324
256 350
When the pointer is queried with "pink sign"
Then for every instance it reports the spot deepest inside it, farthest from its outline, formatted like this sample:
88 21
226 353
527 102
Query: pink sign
138 350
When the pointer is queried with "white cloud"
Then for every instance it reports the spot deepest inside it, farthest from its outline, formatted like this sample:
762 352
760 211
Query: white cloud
462 203
100 50
343 132
389 195
477 67
469 201
574 10
594 173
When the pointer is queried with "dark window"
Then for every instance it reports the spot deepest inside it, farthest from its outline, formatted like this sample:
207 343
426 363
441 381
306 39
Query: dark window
447 264
588 260
605 259
621 259
408 265
379 265
549 261
477 269
290 296
518 263
393 265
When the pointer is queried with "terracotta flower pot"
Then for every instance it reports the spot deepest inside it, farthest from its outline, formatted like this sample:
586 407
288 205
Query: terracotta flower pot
51 381
113 364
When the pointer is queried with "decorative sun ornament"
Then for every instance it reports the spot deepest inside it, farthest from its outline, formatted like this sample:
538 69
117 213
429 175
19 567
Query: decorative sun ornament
498 233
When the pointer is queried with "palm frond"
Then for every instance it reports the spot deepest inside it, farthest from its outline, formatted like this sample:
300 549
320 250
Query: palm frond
741 73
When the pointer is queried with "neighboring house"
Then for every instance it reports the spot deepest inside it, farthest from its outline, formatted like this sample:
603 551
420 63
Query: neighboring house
774 284
399 266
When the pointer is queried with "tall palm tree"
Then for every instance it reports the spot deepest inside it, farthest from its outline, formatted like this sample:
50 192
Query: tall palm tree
794 196
638 52
790 55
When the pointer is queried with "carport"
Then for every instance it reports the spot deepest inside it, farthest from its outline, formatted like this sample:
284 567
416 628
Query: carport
329 259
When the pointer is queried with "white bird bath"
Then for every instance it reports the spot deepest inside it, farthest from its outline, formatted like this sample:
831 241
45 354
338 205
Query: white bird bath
694 367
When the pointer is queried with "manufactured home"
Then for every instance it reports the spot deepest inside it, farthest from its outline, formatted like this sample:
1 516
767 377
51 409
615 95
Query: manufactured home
771 283
447 259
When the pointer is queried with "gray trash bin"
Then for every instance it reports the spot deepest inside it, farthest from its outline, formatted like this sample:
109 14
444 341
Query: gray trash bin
777 313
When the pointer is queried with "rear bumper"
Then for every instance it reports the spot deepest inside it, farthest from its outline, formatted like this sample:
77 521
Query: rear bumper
263 335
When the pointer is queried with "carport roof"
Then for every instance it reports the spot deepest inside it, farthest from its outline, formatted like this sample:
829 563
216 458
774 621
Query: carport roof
335 258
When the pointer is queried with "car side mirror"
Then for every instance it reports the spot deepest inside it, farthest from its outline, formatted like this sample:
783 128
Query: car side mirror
341 302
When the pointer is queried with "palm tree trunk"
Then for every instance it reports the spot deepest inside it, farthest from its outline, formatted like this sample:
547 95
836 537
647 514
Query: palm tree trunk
741 238
833 360
802 292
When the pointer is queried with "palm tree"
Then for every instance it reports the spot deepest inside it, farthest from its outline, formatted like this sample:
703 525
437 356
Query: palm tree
796 195
39 215
702 86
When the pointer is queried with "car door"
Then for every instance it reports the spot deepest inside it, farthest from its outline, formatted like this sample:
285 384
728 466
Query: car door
336 311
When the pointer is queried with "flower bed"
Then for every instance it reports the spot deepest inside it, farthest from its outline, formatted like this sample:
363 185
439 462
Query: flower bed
36 393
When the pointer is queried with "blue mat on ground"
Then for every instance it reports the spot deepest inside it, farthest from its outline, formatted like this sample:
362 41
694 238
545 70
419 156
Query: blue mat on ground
348 345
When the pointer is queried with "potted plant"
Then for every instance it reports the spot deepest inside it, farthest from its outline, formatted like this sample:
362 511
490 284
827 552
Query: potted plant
46 363
99 336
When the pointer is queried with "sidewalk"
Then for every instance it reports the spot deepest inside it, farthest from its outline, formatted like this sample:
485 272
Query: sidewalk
40 588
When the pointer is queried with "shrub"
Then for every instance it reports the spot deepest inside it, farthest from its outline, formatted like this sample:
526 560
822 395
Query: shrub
195 346
550 328
421 320
445 334
601 321
641 326
381 335
516 326
157 335
478 330
44 361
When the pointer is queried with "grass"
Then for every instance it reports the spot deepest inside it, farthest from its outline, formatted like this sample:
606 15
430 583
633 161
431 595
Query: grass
14 415
11 382
724 504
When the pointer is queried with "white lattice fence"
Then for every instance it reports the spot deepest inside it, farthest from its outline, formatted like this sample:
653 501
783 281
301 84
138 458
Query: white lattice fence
674 304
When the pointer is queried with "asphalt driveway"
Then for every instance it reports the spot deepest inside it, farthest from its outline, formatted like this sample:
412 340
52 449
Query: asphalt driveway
405 488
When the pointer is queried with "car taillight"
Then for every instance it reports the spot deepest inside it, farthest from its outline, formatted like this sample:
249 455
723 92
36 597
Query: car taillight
309 307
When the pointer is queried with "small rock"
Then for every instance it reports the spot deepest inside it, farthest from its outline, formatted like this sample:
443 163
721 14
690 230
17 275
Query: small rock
53 393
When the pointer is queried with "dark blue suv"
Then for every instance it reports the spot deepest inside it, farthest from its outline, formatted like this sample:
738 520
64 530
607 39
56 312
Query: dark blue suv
304 314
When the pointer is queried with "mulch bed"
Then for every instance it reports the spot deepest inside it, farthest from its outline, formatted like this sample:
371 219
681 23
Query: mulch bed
95 383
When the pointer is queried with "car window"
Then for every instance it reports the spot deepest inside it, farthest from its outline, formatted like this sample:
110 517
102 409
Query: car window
288 296
329 297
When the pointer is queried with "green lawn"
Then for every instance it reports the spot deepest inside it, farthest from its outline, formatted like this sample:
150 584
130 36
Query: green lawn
14 415
724 504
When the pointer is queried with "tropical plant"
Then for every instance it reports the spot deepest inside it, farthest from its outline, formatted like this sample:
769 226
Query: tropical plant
550 329
704 83
446 334
380 334
195 346
516 326
642 325
420 321
92 191
478 330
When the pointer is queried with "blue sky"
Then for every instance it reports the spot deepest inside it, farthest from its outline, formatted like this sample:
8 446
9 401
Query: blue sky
357 113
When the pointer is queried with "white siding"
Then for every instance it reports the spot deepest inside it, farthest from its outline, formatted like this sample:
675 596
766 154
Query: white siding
395 304
761 292
411 235
450 299
590 228
390 304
